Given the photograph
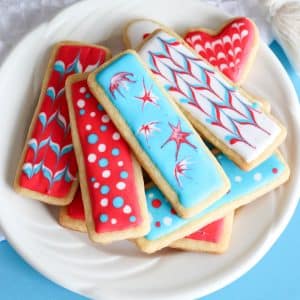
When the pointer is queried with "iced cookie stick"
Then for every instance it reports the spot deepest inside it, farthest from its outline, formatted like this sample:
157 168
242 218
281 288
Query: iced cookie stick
224 114
72 215
212 238
232 49
111 180
162 139
47 169
167 227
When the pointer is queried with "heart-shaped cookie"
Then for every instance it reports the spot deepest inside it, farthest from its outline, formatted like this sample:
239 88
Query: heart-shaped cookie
231 50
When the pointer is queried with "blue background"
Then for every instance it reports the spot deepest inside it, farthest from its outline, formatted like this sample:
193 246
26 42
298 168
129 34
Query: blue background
275 277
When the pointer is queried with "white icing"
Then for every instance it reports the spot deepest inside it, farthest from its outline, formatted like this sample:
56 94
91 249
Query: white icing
136 31
104 202
257 138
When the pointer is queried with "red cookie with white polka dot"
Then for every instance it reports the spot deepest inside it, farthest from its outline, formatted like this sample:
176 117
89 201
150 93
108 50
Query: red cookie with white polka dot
213 238
72 215
111 180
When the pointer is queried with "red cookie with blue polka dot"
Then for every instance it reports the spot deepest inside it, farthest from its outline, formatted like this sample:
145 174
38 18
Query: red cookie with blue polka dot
110 178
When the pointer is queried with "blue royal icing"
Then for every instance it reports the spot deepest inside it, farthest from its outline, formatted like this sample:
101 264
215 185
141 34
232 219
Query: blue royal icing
220 107
166 137
165 221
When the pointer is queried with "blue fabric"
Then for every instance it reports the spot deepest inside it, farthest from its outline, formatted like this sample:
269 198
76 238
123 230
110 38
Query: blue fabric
18 280
276 277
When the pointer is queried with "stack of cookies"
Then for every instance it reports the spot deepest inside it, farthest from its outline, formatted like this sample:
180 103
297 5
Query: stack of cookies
158 144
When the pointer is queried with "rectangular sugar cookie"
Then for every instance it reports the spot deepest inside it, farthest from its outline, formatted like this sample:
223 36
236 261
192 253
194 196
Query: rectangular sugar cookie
237 65
111 180
223 113
163 140
72 215
212 238
47 169
246 186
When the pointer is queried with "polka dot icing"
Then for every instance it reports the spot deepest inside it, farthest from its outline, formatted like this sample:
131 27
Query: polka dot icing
167 221
105 119
109 167
237 178
104 189
118 202
103 218
96 185
156 203
123 174
127 209
257 176
101 147
103 162
92 157
132 219
82 90
103 128
164 219
104 202
81 103
106 173
82 112
116 136
115 151
92 138
121 185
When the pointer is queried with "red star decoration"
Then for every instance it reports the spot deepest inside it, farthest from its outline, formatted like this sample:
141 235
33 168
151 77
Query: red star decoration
147 97
179 137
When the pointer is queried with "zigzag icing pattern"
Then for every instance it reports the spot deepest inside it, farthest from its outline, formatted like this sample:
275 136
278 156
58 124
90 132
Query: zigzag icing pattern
49 165
215 103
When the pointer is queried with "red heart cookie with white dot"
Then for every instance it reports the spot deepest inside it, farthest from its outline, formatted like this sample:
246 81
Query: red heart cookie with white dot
231 50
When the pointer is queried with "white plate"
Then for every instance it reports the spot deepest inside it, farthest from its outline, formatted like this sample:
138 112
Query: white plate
120 270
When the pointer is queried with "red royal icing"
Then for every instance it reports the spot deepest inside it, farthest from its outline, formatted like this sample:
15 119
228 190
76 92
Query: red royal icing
49 165
211 233
108 164
156 203
75 209
229 50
